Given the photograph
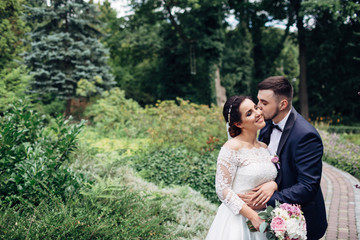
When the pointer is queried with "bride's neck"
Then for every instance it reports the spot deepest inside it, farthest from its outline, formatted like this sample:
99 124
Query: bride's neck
248 137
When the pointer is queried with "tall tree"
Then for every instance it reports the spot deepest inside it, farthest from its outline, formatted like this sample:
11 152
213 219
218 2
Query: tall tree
171 49
291 12
134 43
333 68
198 29
237 62
65 49
267 42
303 94
12 30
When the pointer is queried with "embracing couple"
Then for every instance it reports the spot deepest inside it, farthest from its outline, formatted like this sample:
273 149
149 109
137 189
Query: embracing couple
246 178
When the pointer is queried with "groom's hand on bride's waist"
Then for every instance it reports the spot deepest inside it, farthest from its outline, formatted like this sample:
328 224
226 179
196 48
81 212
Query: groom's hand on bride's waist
260 195
250 199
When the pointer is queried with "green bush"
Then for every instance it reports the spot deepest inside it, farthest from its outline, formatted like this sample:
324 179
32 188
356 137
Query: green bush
344 129
178 166
104 212
50 110
341 153
32 156
13 84
353 138
114 113
184 124
169 123
194 214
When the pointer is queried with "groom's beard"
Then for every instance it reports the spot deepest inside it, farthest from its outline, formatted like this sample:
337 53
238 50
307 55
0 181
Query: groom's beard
275 114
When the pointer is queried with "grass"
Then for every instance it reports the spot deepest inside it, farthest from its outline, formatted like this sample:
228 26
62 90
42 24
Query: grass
353 138
193 214
341 153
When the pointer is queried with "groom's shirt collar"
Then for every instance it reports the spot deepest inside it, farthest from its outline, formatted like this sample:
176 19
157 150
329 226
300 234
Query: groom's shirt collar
282 123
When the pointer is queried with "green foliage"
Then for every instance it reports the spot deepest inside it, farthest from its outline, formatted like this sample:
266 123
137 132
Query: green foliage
287 62
12 29
168 123
87 88
180 145
166 54
133 45
193 213
332 66
178 166
65 49
113 112
186 124
343 129
237 63
51 109
341 153
33 156
13 84
352 137
105 212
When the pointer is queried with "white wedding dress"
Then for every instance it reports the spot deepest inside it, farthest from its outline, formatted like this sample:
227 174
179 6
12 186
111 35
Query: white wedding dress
238 171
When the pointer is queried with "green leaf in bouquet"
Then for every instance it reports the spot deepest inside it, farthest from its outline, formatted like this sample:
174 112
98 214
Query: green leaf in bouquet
263 226
250 226
263 214
269 209
270 235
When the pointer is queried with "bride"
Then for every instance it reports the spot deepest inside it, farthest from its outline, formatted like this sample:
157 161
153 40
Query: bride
243 165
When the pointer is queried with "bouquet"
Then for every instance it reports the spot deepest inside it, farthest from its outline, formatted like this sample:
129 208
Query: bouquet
285 221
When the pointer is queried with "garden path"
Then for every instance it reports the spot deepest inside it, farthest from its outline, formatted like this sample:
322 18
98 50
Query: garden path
342 200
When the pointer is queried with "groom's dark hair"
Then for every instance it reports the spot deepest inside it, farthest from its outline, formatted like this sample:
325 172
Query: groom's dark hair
279 85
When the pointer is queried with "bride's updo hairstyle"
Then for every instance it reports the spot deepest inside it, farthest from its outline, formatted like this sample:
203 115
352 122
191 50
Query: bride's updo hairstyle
232 114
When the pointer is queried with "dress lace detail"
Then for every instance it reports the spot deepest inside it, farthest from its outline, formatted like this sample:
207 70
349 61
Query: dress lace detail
238 171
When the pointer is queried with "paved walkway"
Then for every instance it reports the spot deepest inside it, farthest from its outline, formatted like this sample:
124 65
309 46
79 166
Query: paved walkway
342 200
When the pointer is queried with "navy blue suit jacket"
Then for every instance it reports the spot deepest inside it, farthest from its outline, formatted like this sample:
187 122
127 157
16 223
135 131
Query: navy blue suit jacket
300 151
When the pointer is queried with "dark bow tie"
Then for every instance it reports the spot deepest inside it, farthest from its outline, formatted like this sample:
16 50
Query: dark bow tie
266 138
272 126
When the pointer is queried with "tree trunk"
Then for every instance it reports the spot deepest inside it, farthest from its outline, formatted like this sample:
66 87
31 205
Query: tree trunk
304 107
220 90
68 108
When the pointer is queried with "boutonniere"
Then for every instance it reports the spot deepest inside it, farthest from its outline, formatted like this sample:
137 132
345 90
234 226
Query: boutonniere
275 160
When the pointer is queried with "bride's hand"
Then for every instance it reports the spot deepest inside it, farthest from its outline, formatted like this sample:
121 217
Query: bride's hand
256 222
247 198
263 193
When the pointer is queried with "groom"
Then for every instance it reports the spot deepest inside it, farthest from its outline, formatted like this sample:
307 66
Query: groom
299 148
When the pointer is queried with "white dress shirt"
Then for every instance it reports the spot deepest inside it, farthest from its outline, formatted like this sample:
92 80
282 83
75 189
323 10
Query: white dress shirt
276 135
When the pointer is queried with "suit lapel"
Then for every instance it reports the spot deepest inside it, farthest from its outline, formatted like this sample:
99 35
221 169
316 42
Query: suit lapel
287 130
284 136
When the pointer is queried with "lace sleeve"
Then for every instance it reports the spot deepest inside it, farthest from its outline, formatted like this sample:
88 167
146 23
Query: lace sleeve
225 173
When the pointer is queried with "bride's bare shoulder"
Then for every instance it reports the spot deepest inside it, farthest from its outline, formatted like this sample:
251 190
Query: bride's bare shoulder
233 144
263 144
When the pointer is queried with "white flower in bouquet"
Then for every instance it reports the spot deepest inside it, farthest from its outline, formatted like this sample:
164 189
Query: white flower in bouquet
279 212
285 221
295 229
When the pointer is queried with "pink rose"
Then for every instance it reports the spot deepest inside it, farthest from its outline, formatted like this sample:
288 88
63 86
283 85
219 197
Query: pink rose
291 209
275 159
296 211
278 224
287 207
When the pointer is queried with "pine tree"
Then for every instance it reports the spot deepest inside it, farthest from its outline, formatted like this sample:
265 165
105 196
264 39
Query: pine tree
65 49
12 30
